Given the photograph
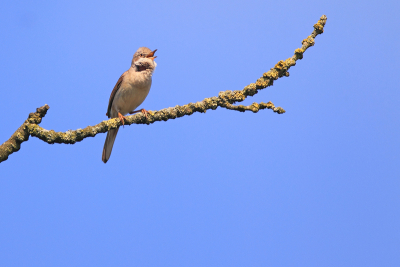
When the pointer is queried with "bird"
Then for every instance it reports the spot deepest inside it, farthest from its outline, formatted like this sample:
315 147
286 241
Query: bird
129 92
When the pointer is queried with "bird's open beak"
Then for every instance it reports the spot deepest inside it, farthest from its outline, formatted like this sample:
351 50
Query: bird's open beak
151 55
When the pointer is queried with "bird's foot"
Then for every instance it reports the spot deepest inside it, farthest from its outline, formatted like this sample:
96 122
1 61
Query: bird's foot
122 119
145 112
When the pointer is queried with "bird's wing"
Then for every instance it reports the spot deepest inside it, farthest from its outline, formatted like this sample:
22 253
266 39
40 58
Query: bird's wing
113 93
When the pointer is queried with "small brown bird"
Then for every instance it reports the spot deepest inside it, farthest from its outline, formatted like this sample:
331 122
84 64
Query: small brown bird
130 91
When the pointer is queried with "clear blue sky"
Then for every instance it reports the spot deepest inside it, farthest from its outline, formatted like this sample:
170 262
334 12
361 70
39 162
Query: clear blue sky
316 186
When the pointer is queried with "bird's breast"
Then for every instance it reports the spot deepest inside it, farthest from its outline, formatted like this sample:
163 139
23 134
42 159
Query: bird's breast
131 94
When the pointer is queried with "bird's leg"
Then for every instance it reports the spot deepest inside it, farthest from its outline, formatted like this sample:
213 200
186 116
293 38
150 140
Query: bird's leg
145 112
122 119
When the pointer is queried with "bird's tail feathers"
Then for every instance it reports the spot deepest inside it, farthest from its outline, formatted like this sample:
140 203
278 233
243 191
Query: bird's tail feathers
108 144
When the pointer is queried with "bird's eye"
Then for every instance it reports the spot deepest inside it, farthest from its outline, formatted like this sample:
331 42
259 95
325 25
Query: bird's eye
141 55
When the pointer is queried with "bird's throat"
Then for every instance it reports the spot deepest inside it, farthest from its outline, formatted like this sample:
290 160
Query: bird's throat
141 68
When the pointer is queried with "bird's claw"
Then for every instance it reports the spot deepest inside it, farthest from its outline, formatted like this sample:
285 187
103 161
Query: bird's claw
145 112
122 119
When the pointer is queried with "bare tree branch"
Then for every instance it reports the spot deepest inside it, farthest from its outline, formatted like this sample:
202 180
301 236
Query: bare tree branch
225 99
22 134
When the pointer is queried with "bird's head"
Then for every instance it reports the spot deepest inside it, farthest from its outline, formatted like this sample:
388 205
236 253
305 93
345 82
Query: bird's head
143 52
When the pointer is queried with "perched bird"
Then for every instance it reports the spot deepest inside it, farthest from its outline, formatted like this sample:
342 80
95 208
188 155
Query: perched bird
130 91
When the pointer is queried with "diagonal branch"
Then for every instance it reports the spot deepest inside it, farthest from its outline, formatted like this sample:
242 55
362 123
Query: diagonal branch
225 99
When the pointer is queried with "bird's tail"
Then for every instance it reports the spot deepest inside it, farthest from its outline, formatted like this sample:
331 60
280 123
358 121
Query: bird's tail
108 144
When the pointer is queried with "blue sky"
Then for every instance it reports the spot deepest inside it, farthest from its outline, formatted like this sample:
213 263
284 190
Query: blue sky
316 186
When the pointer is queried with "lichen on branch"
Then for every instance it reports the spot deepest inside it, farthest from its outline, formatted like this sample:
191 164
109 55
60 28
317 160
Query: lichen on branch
225 99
